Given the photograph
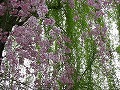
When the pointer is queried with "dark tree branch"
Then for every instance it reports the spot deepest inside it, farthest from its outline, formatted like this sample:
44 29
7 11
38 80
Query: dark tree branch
1 1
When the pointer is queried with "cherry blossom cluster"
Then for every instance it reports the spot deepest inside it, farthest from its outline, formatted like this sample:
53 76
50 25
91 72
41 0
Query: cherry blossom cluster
27 42
23 8
40 52
3 36
100 32
100 35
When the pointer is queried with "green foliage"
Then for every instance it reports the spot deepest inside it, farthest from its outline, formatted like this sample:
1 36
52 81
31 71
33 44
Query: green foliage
118 49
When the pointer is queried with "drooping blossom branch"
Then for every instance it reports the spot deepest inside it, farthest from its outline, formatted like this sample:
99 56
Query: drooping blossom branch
42 60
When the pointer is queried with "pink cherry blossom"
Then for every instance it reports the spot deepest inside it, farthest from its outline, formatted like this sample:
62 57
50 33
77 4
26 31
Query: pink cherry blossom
49 21
2 10
42 10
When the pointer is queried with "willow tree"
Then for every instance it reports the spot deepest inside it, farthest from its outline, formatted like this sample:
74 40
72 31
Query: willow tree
57 45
